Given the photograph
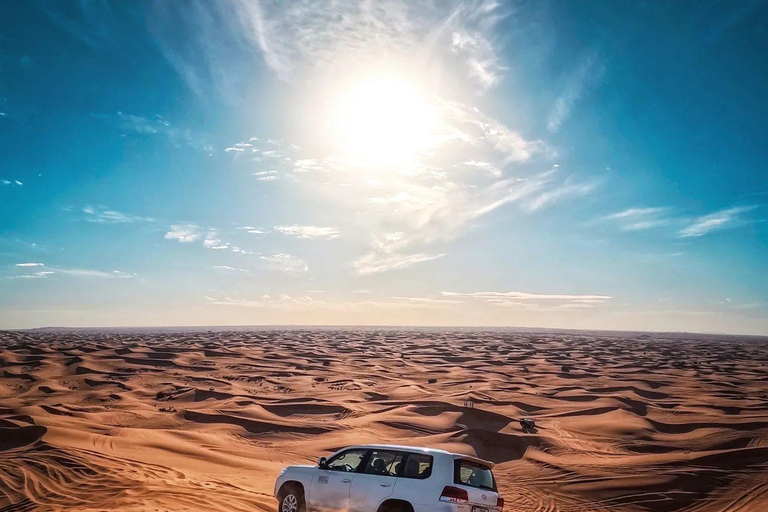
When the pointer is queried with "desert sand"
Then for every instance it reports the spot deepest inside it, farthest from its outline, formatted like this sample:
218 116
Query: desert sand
204 420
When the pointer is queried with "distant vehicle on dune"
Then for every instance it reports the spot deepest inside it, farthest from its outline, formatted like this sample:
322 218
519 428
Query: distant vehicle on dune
389 478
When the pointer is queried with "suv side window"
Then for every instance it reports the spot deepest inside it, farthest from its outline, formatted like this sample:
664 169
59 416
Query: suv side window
384 463
347 461
417 465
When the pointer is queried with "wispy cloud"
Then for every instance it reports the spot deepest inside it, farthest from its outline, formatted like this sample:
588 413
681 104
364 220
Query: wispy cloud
227 268
156 125
467 171
375 262
84 272
528 296
559 192
723 219
588 74
91 23
428 300
72 272
184 233
467 166
327 233
286 263
302 302
639 218
252 230
35 275
533 301
472 27
104 215
325 34
209 238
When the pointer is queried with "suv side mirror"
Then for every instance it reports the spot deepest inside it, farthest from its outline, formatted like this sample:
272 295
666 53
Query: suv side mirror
322 463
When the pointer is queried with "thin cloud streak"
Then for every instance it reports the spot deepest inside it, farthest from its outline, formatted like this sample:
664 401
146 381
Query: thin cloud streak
639 218
374 263
103 215
311 232
287 263
587 75
723 219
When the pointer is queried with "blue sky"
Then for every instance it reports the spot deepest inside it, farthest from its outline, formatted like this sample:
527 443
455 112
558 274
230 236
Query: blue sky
586 164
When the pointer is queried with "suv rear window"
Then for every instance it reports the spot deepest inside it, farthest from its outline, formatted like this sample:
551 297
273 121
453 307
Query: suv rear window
417 465
467 472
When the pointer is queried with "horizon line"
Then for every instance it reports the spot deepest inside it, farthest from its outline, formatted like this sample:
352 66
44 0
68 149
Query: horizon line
372 326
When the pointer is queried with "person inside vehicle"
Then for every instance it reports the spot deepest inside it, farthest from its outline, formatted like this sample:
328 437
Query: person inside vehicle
379 467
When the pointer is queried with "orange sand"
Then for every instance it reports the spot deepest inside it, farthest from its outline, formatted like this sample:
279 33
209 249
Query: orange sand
203 421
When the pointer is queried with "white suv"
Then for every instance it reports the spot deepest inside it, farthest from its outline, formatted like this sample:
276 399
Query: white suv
386 478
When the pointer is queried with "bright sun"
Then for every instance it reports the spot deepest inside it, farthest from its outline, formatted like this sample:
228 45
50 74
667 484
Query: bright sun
383 122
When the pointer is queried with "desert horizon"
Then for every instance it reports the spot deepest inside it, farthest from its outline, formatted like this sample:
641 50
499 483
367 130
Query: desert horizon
203 420
253 327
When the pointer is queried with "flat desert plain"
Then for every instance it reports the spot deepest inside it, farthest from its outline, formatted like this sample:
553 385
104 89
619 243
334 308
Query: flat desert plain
204 420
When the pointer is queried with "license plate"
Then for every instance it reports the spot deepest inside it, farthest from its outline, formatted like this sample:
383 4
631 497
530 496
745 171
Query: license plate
479 509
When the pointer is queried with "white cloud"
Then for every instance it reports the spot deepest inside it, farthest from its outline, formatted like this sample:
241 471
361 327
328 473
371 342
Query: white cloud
428 300
212 241
73 272
639 218
723 219
587 74
286 263
184 233
435 197
327 233
83 272
307 303
156 125
231 269
299 38
252 230
528 296
375 262
469 164
103 215
34 275
533 301
557 193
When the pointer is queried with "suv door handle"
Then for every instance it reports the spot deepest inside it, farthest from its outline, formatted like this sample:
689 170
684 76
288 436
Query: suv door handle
346 480
386 485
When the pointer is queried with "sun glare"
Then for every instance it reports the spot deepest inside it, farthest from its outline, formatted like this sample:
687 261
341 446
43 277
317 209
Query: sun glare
382 122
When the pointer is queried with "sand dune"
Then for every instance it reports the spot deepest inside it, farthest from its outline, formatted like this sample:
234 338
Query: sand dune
204 420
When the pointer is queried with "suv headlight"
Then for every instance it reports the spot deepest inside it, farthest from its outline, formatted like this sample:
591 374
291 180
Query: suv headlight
282 472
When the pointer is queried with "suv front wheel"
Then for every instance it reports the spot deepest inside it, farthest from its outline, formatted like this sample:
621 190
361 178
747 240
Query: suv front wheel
291 499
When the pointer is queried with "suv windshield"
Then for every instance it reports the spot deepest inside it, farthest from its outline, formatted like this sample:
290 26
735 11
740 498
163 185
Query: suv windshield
467 472
346 461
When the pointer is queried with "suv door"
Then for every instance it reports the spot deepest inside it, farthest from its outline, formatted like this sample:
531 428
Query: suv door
414 483
376 482
329 489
